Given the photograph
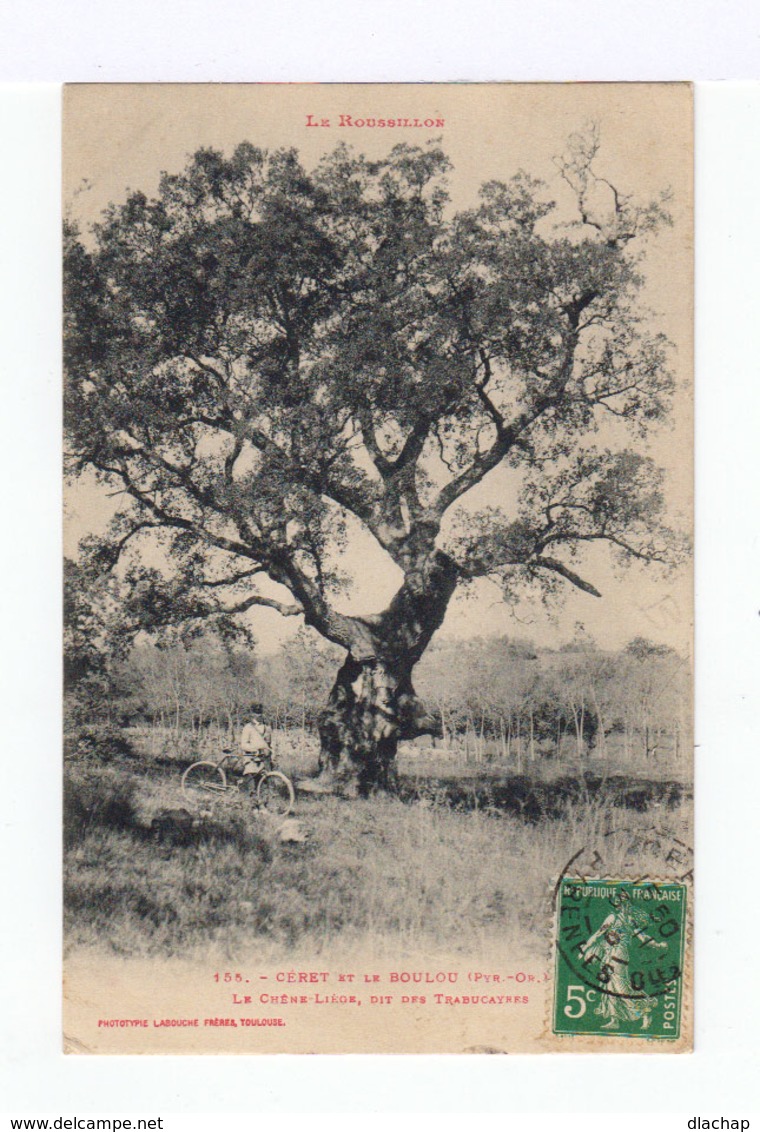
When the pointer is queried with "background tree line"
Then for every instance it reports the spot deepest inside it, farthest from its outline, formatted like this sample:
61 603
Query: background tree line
495 698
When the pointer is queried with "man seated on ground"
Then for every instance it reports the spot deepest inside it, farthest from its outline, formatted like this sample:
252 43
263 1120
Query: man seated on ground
256 742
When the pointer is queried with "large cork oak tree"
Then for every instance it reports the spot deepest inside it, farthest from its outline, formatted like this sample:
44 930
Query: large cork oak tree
262 358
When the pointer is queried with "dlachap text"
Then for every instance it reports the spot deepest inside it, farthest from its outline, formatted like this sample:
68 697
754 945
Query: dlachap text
718 1122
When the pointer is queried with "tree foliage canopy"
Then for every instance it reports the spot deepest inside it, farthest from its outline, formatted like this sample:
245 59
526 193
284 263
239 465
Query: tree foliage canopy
262 354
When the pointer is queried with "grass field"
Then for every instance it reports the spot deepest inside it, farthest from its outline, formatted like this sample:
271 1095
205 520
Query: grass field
410 872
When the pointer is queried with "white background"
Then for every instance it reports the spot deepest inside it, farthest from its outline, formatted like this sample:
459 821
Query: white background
45 43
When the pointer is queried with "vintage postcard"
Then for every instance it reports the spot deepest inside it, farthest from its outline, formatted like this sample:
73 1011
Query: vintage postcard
378 438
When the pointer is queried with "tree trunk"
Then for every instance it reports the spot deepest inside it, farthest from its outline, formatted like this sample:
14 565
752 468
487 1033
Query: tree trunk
373 704
519 744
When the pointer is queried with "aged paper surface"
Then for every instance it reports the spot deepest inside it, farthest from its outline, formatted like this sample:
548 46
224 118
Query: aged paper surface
450 434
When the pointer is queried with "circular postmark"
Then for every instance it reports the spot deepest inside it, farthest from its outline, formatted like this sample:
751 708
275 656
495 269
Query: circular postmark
628 954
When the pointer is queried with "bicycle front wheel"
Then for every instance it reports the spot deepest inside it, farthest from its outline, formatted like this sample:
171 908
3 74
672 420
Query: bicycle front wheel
203 780
276 794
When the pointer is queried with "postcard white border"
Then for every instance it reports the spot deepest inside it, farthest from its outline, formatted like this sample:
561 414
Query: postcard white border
719 1076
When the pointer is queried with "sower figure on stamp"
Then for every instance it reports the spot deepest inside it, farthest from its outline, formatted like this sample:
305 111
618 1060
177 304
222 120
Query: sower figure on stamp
256 742
613 944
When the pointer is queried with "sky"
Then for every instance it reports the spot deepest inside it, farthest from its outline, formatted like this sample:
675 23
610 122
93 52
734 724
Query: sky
118 138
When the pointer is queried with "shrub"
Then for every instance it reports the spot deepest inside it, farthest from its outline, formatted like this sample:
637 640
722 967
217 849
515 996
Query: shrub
106 801
96 740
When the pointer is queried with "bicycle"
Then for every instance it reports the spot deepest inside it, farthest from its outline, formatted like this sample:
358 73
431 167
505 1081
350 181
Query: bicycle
273 790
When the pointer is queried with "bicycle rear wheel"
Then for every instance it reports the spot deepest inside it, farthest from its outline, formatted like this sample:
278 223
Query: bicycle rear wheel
276 794
202 781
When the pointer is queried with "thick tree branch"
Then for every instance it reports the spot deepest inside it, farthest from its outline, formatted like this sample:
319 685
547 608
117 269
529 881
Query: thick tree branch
379 459
493 563
508 435
351 633
652 555
121 543
206 367
232 579
243 606
558 567
317 610
480 389
179 522
490 459
232 458
413 445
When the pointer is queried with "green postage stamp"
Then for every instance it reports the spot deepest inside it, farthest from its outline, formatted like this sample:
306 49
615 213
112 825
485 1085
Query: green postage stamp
619 958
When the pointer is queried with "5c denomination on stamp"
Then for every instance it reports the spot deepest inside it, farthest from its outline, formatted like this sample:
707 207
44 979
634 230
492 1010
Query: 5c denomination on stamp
619 957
